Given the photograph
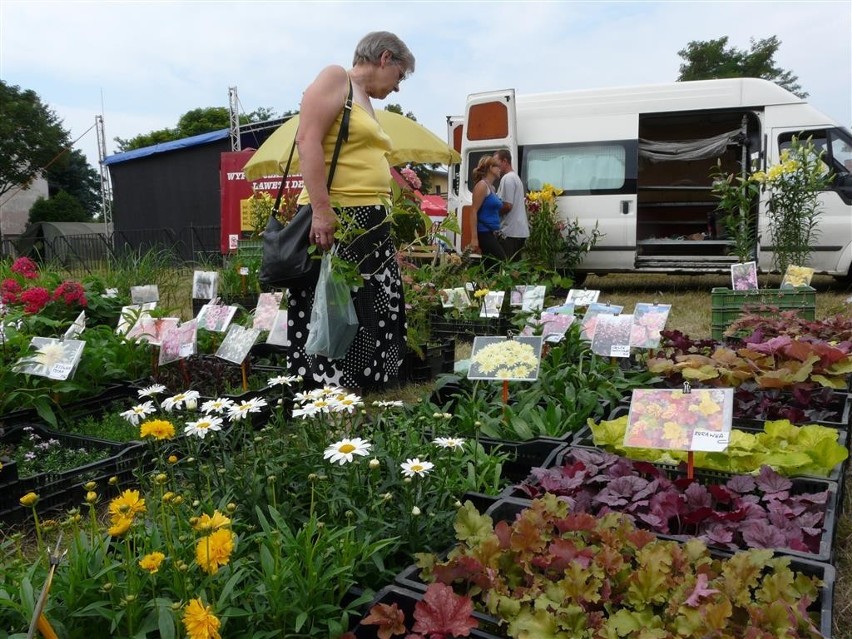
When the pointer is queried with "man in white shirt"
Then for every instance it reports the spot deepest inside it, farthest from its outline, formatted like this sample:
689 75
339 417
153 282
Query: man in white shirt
514 225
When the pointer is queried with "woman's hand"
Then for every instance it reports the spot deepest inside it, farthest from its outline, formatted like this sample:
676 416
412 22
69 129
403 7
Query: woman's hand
322 228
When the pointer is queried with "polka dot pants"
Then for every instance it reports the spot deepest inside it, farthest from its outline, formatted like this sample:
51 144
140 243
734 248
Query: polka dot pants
376 353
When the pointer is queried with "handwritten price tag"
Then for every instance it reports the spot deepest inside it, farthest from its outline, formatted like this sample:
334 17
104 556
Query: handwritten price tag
709 441
60 370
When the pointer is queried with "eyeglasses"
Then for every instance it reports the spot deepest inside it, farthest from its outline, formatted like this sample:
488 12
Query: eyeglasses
403 74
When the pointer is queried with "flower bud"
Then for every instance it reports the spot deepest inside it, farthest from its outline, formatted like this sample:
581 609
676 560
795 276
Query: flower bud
191 404
113 481
29 500
374 463
177 500
195 503
168 496
415 511
91 497
90 485
231 507
173 459
107 587
162 478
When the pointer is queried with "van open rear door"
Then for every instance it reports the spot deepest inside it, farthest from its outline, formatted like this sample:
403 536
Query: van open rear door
455 130
489 125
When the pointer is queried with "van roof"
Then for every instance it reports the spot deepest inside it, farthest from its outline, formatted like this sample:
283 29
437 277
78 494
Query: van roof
655 98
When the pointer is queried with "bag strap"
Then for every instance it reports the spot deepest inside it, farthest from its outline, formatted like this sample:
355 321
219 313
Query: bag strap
342 136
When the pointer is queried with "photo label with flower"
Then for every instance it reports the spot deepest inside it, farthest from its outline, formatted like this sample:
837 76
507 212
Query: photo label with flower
131 313
144 294
205 285
648 321
278 332
551 326
151 329
179 342
237 343
51 357
529 298
796 276
669 419
454 297
492 302
612 335
590 319
268 305
582 297
215 317
504 359
744 276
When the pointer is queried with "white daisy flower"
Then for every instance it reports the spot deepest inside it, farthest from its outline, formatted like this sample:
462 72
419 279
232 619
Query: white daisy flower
343 451
284 380
308 410
253 405
156 389
201 427
396 403
449 442
345 403
218 405
177 401
412 467
139 411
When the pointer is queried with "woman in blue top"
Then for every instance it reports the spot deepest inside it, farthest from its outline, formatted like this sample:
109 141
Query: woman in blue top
485 238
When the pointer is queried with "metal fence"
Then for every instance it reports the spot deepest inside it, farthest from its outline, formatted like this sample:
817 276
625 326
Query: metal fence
87 253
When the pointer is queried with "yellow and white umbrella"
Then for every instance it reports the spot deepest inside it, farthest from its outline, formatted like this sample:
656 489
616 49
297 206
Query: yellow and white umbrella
412 142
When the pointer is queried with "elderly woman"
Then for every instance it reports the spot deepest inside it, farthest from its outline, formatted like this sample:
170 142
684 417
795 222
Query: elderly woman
359 189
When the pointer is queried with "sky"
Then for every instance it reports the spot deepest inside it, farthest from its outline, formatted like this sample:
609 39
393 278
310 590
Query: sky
143 64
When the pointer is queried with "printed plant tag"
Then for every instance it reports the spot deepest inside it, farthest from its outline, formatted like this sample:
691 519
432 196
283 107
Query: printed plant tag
237 343
492 303
130 315
612 335
744 276
669 419
551 326
582 297
205 285
151 329
215 317
278 333
77 327
144 294
179 342
501 358
797 276
648 321
590 319
52 358
268 305
454 297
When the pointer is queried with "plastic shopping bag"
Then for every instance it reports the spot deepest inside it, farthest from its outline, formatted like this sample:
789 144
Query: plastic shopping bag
334 322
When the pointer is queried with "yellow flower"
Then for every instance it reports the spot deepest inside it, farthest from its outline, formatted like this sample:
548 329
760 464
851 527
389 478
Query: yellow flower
481 292
214 550
207 523
120 525
29 500
151 562
173 459
91 497
157 428
128 504
199 621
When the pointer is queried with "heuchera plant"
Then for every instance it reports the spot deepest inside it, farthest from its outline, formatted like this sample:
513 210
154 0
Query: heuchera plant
761 511
441 614
790 450
551 573
760 328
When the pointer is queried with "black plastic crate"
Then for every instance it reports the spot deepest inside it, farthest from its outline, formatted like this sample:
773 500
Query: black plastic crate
467 329
524 456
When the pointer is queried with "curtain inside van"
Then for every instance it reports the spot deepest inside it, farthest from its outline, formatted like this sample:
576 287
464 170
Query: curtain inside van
685 150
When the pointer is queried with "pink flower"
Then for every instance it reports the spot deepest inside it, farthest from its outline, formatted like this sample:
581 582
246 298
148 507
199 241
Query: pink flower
35 299
26 267
70 292
411 177
9 291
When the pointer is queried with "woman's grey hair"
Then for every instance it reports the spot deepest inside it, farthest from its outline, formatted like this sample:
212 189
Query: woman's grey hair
372 45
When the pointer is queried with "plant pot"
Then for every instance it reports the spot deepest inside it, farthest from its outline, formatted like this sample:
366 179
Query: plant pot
729 305
437 358
524 456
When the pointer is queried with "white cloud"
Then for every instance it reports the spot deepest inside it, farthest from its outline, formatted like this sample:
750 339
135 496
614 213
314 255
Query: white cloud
150 62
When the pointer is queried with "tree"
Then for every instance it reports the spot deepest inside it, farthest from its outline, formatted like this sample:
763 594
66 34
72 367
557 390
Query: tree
422 170
706 60
76 177
31 136
195 122
60 208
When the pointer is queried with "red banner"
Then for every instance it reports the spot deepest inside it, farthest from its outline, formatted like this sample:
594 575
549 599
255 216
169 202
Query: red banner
236 193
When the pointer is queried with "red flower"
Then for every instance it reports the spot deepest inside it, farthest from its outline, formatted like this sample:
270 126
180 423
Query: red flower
26 267
9 291
35 299
70 292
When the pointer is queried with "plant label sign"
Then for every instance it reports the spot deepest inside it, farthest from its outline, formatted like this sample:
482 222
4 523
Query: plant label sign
648 321
669 419
130 315
504 359
152 329
144 294
529 298
744 276
52 358
491 304
179 342
205 285
590 319
551 326
796 276
237 343
582 297
268 305
612 335
77 326
278 332
454 297
216 317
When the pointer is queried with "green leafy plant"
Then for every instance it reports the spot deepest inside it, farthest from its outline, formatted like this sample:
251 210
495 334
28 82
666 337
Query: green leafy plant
552 573
737 195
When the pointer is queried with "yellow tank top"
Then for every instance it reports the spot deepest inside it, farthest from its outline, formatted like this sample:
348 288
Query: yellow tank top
362 176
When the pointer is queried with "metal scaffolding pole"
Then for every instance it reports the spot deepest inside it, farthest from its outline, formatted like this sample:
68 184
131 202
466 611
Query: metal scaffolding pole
234 118
106 186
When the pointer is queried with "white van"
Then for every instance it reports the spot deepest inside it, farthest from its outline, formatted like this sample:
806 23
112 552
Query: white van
653 201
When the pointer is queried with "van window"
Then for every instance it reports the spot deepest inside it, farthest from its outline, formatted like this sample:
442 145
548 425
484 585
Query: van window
580 168
836 145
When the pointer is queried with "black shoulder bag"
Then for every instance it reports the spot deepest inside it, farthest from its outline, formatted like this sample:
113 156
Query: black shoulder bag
285 260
